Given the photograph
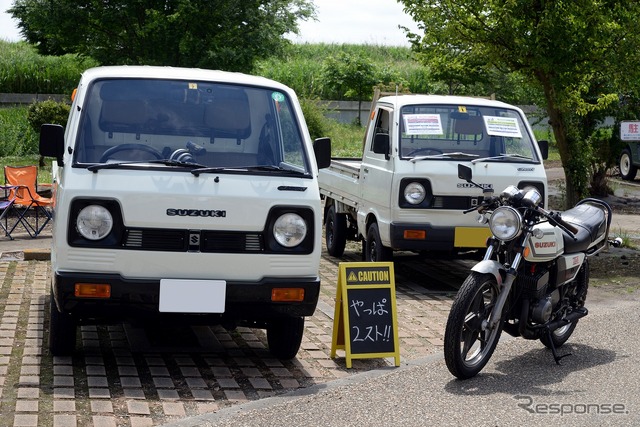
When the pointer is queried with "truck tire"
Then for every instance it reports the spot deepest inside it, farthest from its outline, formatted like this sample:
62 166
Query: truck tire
627 169
374 250
335 232
284 336
62 331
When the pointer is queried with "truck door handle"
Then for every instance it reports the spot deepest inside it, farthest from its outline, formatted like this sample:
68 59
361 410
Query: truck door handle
366 170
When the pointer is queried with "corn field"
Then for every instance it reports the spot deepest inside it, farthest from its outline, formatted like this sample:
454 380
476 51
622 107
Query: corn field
23 70
301 67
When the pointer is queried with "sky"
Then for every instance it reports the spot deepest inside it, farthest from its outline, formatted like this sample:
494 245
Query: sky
372 22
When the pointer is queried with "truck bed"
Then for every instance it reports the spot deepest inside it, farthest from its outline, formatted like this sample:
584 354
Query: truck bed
340 180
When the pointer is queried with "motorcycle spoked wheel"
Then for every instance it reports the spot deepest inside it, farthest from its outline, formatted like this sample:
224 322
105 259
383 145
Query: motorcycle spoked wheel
577 293
467 345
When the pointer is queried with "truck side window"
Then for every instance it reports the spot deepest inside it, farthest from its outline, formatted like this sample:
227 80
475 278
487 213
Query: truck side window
291 140
381 126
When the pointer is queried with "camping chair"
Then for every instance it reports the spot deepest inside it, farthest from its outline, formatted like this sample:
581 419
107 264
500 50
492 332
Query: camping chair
24 179
7 209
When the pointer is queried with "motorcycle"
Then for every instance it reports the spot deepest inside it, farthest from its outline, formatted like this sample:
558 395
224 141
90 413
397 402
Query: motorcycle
533 279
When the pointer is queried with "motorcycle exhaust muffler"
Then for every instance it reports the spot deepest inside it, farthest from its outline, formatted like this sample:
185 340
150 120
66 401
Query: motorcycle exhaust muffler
569 318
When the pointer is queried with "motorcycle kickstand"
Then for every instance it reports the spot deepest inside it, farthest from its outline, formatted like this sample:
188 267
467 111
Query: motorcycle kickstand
553 349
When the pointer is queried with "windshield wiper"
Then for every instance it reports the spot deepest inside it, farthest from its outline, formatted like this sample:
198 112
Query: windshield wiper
457 154
166 162
214 169
503 156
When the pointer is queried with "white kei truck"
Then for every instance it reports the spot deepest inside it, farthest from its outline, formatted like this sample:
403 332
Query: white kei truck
184 195
404 194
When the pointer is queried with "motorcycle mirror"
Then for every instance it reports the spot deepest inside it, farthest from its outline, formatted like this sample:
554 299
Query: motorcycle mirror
465 172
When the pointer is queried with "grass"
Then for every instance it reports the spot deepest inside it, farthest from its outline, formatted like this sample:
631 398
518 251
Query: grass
346 140
17 137
44 173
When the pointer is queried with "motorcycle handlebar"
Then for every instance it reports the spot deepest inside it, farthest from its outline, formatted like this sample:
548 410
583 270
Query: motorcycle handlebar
566 225
556 218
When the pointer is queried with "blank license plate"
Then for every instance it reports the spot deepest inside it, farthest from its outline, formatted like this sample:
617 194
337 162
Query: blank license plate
192 296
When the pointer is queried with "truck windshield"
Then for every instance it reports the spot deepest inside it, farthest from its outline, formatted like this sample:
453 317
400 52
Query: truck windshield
442 132
211 125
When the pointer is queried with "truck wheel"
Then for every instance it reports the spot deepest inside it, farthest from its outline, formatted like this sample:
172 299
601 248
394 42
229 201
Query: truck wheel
62 331
627 169
335 232
374 250
284 336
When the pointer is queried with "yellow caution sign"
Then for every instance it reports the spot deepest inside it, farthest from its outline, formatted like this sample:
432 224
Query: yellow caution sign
365 322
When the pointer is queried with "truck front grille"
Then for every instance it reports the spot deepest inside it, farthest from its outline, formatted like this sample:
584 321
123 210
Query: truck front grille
179 241
455 202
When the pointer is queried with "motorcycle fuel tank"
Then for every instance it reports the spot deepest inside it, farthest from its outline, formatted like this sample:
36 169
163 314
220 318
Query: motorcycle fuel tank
547 247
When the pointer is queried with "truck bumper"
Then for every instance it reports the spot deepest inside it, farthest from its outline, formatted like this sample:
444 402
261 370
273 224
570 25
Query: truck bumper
426 237
136 299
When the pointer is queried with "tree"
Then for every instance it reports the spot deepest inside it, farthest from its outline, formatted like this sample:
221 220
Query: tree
580 54
222 34
351 76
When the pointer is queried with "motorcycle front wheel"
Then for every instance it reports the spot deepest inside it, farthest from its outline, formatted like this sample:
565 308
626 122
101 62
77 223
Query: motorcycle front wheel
468 343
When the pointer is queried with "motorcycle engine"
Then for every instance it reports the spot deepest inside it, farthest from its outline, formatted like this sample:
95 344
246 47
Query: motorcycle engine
543 309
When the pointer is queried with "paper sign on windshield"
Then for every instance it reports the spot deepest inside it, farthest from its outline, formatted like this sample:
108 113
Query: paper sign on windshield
422 124
502 126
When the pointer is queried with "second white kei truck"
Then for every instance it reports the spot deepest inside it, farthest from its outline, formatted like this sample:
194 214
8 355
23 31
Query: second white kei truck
404 193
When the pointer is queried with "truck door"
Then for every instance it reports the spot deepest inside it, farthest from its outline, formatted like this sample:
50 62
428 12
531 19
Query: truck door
376 174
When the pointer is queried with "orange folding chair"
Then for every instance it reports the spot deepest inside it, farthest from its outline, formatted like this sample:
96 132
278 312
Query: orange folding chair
8 209
24 180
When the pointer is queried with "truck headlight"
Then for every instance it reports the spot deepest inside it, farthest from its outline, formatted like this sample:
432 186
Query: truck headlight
94 222
289 230
505 223
414 193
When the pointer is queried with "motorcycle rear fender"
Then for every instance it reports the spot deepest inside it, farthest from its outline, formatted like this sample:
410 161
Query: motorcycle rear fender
489 266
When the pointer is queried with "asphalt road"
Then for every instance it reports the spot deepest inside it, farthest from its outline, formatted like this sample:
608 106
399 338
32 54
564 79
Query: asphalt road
521 385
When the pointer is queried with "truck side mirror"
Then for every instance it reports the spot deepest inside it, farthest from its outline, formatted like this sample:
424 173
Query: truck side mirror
52 142
544 149
381 144
322 150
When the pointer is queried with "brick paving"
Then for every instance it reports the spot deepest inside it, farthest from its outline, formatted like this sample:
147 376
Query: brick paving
122 376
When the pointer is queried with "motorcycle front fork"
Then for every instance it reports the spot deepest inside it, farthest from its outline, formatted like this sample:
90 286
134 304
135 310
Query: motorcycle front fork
496 312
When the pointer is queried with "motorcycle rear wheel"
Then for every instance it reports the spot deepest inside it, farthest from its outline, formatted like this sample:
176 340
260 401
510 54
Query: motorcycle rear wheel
468 344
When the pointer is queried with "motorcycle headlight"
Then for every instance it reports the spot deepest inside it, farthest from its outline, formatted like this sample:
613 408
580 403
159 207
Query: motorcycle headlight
510 193
94 222
414 193
505 223
532 197
290 230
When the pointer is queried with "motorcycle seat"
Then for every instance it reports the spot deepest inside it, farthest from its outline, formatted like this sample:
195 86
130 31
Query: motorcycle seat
591 223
